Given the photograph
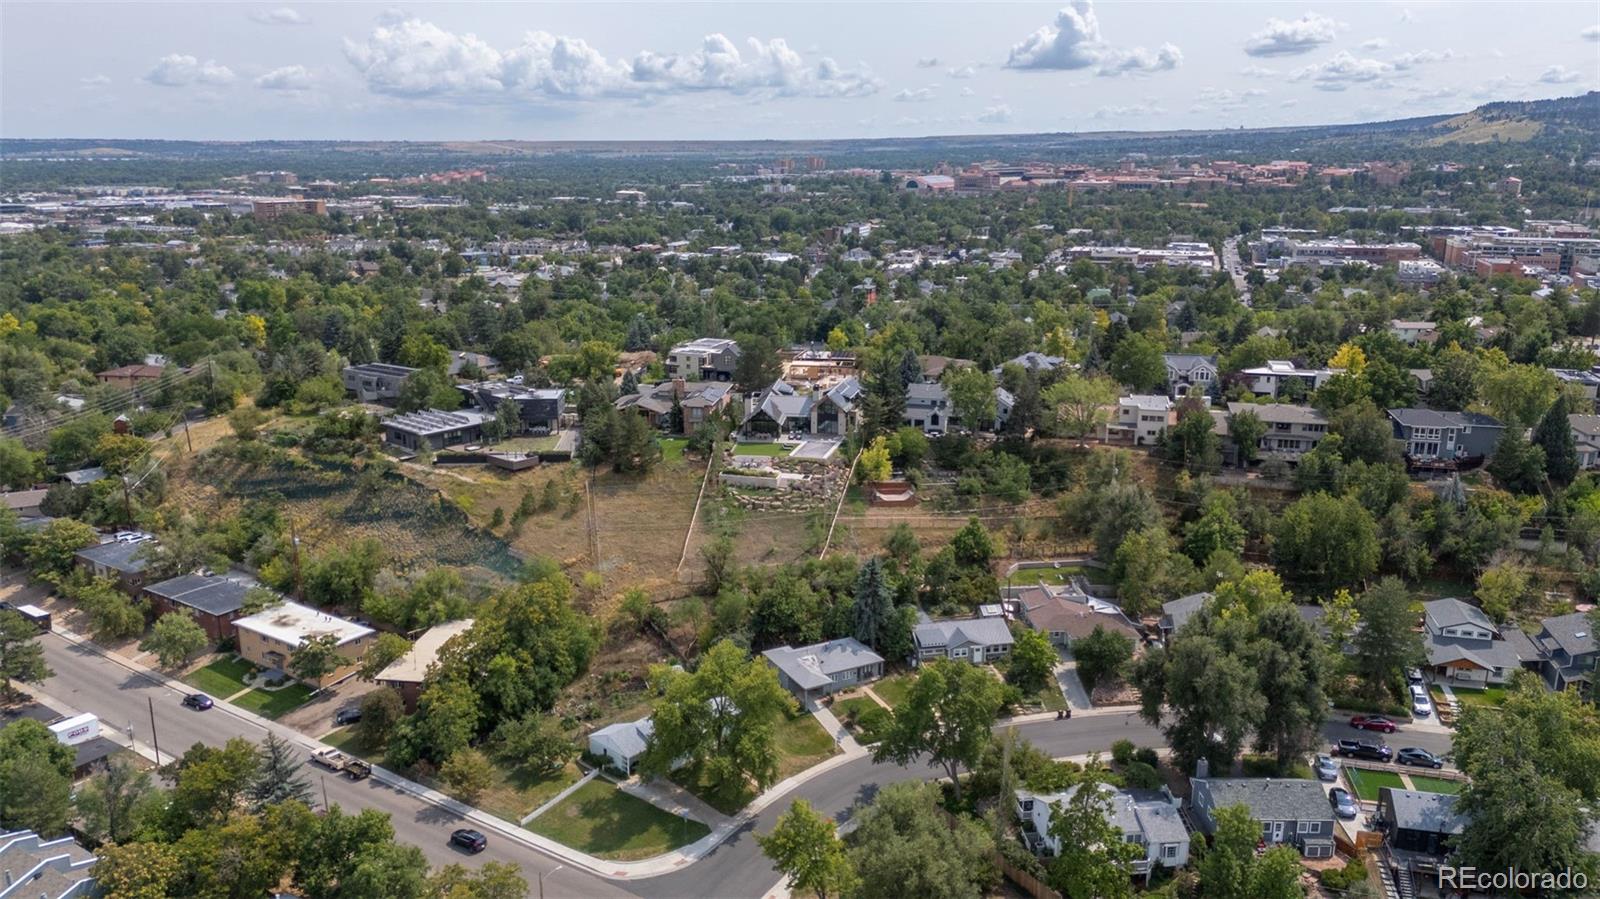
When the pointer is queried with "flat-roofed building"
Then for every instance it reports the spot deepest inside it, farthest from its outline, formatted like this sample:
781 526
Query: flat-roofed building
270 638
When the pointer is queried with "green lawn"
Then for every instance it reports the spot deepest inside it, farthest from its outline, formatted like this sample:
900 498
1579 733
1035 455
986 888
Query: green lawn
514 792
802 742
1367 782
1491 697
1435 784
761 449
1062 575
221 678
672 448
693 779
604 821
851 710
272 703
344 739
894 690
527 444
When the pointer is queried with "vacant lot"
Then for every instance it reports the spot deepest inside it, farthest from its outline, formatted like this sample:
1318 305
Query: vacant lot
604 821
221 678
1367 782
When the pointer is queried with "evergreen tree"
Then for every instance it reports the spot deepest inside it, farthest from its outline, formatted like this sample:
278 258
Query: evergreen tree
278 779
1554 436
874 605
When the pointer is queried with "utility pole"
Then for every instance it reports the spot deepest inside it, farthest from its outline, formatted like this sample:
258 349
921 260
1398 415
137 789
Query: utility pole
543 874
155 739
127 504
325 805
294 543
186 438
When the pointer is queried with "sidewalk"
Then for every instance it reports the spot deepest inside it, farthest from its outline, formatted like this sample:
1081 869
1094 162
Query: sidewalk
668 796
835 728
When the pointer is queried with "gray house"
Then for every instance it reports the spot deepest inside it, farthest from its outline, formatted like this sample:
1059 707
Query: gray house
1176 614
1186 370
706 359
434 429
541 407
1292 431
1570 652
927 406
811 672
1291 812
376 382
1464 647
1430 435
974 640
121 560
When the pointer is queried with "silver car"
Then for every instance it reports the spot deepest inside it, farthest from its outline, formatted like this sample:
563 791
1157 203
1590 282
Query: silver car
1327 769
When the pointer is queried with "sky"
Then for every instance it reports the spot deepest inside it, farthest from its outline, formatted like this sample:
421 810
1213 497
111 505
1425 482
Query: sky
781 70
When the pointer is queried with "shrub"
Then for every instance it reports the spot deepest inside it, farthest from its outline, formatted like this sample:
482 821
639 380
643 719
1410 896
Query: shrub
1122 752
873 723
1148 756
1141 776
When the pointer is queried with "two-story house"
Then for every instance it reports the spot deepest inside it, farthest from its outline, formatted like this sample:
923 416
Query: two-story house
698 403
124 561
783 409
927 406
540 408
1419 832
1586 439
1570 652
1291 812
1292 431
1431 435
1141 419
1270 379
1188 370
974 640
376 382
1465 648
705 359
1413 332
812 672
1149 818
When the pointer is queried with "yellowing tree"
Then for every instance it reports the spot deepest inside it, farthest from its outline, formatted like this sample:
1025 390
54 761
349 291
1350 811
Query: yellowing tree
874 464
1350 358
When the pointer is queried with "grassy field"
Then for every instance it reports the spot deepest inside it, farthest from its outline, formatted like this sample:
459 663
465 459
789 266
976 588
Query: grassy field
894 690
761 449
514 792
221 678
604 821
272 703
1436 784
672 449
802 742
1367 782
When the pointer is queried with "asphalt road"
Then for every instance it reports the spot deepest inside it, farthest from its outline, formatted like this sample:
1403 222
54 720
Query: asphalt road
89 682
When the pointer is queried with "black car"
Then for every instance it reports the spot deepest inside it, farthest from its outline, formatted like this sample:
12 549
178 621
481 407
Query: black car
1364 749
1422 758
347 715
198 701
470 840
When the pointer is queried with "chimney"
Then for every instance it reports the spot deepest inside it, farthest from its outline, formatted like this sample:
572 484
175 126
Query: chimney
1202 769
678 387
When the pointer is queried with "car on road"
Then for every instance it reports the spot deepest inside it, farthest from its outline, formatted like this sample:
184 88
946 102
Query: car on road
1364 749
1344 805
470 840
1327 769
1422 758
1373 722
198 701
350 714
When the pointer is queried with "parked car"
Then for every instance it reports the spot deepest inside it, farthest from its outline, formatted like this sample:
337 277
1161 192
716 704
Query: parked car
470 840
1344 805
198 701
1373 722
1327 769
350 714
1421 705
1413 675
1364 749
1422 758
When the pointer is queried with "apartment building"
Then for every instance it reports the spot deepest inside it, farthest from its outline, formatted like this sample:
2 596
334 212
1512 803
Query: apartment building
269 638
705 359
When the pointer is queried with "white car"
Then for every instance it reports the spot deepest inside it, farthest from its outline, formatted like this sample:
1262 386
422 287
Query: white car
1421 705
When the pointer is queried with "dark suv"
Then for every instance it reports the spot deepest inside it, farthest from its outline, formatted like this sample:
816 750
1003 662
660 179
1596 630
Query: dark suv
470 840
1364 749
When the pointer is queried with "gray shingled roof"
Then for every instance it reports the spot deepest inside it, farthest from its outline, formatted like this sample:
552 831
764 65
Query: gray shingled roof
1427 812
208 593
1450 612
813 666
1573 633
1272 799
980 631
630 737
117 556
1434 418
1176 614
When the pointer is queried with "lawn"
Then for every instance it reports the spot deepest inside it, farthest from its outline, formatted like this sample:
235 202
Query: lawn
345 739
604 821
527 444
221 678
1026 576
1367 782
514 792
272 703
1435 784
672 448
761 449
1489 697
850 711
894 690
802 742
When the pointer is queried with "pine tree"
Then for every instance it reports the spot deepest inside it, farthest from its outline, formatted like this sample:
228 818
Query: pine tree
874 603
278 779
1554 435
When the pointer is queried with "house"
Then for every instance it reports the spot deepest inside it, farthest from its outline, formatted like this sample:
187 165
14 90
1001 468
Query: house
700 401
970 639
1186 370
34 867
131 377
1569 652
541 407
1149 818
1464 647
121 560
1587 383
24 502
1033 362
1413 331
1431 435
270 638
376 382
1291 812
934 367
1141 419
1067 615
1175 614
705 359
1419 833
783 409
927 406
1586 439
623 743
406 673
434 429
811 672
1267 380
214 602
487 366
1004 402
1292 431
83 476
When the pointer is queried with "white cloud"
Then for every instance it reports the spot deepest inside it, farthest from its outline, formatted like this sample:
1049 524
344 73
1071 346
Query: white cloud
1288 103
1592 33
918 95
1407 16
94 81
283 15
928 62
1073 41
1214 97
1376 43
962 72
413 58
178 70
1258 72
968 92
286 78
1001 113
1129 111
1282 38
1421 57
1560 75
1343 70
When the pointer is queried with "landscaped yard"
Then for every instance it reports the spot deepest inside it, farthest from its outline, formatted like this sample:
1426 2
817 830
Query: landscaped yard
272 703
527 444
1491 697
894 690
1367 782
1062 575
221 678
802 742
1435 784
761 449
604 821
850 711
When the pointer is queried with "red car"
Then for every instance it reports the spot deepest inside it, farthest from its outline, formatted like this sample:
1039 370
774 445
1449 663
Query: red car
1373 722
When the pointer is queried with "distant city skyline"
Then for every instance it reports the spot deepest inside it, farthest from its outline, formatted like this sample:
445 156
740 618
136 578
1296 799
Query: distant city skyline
777 70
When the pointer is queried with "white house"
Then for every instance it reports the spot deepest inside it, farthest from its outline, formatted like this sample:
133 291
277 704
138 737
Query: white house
1141 419
1586 439
1149 818
1412 331
1267 380
623 743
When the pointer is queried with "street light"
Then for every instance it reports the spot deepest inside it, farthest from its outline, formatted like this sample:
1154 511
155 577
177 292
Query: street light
543 874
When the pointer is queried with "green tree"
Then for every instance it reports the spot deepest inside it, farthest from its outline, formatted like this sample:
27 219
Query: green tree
468 773
1291 668
1225 864
428 388
1192 442
381 711
107 804
758 365
347 856
1207 697
946 716
534 742
52 548
1033 662
210 783
1216 530
973 545
907 845
315 657
874 603
1386 644
1517 464
804 848
278 778
20 467
1245 429
1554 436
1517 394
1503 589
1080 404
1147 570
495 880
21 656
1326 540
113 615
1095 861
874 463
1101 654
971 396
1456 374
175 638
138 870
1138 363
35 779
388 649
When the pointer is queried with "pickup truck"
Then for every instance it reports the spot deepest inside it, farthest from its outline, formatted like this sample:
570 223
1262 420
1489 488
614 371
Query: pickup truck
1364 749
332 759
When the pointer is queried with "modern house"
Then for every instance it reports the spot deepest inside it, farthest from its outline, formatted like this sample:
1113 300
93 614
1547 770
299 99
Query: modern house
1067 615
1149 818
1186 370
1569 652
270 638
1176 613
1430 435
705 359
927 406
121 560
1464 647
541 407
1586 439
1291 812
434 429
622 744
487 366
1292 431
35 867
1141 419
1269 379
700 401
376 382
811 672
974 640
1419 832
406 673
213 601
782 409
